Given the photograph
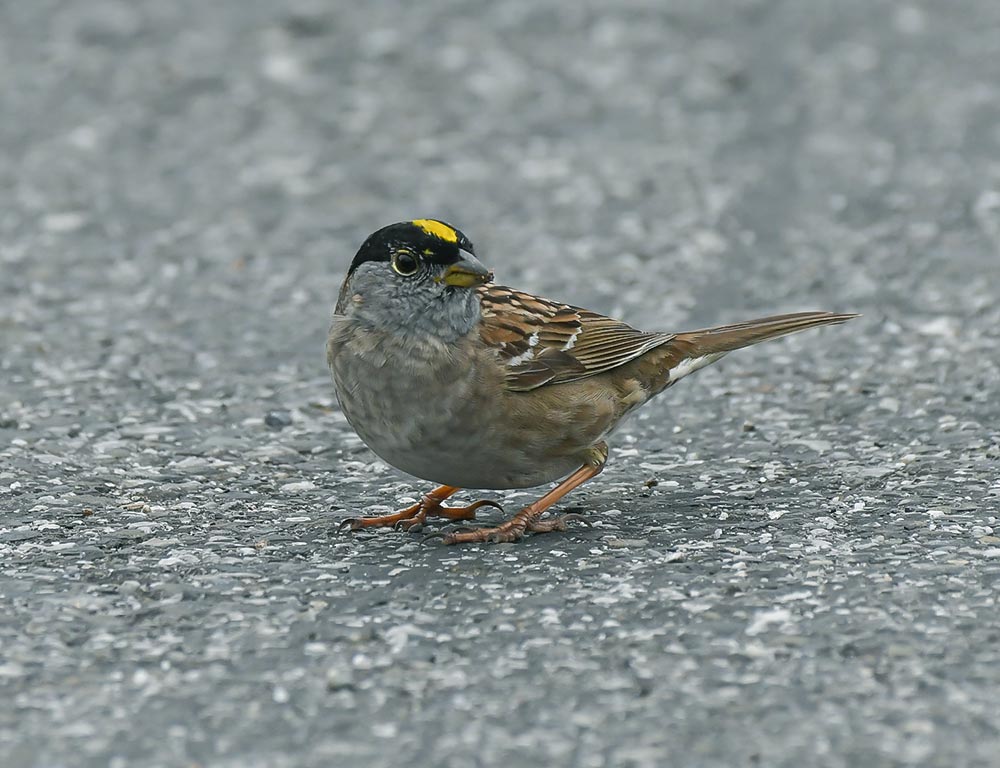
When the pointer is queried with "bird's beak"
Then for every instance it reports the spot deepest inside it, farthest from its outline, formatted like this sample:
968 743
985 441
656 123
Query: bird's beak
465 273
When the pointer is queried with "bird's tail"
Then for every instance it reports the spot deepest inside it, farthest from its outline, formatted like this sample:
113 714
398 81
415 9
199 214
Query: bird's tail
696 349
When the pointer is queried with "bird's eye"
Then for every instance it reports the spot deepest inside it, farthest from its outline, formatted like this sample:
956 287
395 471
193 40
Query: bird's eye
404 263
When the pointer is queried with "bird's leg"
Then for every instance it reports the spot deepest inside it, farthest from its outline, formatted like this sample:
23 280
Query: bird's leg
416 514
528 518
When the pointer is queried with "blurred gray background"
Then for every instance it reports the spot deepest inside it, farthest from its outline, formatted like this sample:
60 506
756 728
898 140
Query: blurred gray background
795 558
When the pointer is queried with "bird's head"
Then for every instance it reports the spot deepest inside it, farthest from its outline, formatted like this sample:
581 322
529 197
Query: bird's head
414 275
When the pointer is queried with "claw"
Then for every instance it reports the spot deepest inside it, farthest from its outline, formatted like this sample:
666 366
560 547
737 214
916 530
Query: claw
558 523
463 513
411 523
462 529
484 503
350 524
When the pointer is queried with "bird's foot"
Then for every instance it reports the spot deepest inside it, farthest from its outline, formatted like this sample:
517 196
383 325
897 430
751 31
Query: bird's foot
414 516
510 531
448 513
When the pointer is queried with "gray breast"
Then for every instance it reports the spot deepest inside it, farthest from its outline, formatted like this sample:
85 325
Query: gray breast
427 408
405 398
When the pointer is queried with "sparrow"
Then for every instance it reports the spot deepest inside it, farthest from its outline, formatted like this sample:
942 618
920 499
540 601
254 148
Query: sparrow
459 381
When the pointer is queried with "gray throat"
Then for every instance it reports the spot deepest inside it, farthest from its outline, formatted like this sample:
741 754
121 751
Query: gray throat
418 310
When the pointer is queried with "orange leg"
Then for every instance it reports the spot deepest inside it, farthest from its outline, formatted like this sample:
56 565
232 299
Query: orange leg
415 515
528 518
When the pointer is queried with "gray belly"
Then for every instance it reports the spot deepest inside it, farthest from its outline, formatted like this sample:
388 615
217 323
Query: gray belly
430 414
459 458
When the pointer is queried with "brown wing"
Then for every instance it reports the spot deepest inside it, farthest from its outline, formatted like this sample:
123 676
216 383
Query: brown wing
545 342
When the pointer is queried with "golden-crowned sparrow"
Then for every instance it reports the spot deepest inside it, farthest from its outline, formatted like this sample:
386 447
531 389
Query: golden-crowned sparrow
469 384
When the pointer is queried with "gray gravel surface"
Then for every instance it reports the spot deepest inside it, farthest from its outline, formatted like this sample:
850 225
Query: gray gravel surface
795 556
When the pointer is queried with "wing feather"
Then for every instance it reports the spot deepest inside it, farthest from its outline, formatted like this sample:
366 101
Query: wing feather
545 342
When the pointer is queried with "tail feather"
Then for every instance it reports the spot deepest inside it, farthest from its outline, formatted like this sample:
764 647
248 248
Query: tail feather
726 338
703 347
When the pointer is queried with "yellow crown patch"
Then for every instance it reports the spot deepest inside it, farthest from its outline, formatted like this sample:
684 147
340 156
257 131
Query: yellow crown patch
437 229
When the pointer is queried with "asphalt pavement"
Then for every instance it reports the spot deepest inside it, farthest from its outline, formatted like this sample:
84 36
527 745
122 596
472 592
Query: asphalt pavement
795 554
